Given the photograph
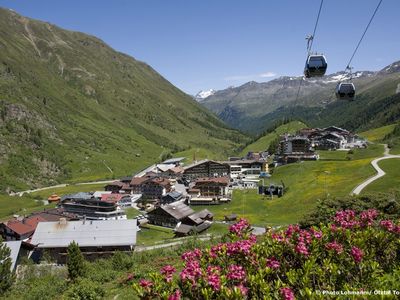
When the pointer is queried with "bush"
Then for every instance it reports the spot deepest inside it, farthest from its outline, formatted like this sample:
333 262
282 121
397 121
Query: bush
354 252
84 289
6 275
75 261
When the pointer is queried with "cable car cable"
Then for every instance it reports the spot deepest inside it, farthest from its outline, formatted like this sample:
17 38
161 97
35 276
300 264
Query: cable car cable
311 38
365 31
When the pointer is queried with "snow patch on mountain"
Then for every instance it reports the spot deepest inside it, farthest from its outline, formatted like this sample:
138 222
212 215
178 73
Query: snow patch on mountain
204 94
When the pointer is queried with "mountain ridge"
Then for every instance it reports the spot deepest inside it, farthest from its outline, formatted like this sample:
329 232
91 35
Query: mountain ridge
70 105
252 102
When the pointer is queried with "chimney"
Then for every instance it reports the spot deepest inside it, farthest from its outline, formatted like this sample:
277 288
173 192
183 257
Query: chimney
84 219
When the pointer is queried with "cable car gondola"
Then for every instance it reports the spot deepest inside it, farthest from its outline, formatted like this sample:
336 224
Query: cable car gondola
345 91
316 66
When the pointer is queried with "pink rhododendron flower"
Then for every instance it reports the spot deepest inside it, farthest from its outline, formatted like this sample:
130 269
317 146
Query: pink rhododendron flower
145 283
387 224
242 289
195 254
317 234
238 227
175 296
273 263
301 248
287 293
191 272
346 219
334 246
236 272
168 271
368 216
357 254
291 230
214 281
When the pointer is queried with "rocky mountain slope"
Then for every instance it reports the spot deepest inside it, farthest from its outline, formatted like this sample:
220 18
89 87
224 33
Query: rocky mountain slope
72 108
254 106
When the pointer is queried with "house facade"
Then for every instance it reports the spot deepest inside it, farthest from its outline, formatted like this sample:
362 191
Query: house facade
205 168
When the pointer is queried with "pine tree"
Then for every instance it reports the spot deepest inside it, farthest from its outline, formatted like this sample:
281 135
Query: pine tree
6 274
75 261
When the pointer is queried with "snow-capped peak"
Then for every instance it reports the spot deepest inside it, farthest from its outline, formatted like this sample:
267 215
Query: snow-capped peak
204 94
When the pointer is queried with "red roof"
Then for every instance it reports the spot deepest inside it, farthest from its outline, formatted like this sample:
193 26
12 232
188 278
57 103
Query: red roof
114 198
34 220
19 227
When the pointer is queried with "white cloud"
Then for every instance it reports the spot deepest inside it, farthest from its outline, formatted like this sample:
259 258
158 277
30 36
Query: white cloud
268 74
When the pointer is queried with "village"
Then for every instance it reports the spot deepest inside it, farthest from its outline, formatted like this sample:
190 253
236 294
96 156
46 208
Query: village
172 195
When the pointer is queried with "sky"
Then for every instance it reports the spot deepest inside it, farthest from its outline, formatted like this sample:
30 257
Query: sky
203 44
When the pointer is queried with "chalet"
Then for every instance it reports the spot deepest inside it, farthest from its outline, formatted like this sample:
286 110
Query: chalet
184 229
95 238
169 215
214 186
122 200
22 228
155 188
295 148
205 168
171 197
246 167
115 186
15 230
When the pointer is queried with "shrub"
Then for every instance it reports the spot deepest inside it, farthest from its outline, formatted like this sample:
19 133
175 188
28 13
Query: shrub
84 289
346 254
6 275
75 262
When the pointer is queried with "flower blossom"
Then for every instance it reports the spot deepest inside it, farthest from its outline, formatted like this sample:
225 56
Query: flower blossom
302 248
387 224
357 254
145 283
168 271
273 263
287 293
175 296
239 227
236 272
338 248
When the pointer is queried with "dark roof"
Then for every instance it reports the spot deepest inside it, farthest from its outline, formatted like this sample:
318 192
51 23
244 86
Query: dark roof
222 180
177 210
126 178
174 194
183 228
199 217
203 226
116 183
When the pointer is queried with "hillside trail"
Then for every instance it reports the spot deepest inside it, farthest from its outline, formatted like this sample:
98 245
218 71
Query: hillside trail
380 173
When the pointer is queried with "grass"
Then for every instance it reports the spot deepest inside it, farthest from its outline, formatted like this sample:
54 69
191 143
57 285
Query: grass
377 134
10 206
307 182
390 180
263 142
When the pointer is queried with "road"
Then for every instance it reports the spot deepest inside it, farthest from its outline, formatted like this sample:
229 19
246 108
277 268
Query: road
380 173
59 186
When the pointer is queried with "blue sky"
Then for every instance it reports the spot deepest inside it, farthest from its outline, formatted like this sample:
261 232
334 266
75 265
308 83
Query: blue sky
215 44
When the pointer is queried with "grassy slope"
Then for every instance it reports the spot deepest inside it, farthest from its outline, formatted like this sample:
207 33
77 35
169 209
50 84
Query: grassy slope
307 182
377 134
390 180
71 106
263 142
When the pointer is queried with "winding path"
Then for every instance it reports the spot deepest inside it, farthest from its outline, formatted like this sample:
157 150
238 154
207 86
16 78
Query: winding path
357 190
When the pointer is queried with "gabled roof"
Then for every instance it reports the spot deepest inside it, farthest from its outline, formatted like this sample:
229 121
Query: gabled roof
112 197
196 164
116 183
177 210
85 233
165 167
19 227
183 228
159 181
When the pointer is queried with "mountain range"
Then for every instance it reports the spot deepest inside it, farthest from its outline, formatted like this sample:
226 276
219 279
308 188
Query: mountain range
73 108
253 107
